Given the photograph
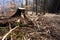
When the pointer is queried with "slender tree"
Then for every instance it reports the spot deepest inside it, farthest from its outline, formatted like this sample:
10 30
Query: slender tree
26 6
44 7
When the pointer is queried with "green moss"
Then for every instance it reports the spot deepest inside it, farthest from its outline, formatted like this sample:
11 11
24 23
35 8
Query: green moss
18 34
3 29
18 23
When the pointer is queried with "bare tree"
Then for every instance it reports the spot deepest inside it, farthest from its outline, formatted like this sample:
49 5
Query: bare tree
26 6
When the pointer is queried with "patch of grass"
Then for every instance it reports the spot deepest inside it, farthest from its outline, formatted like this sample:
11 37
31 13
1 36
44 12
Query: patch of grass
3 30
16 24
18 35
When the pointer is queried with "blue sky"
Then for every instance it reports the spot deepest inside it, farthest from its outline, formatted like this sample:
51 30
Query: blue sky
7 1
4 3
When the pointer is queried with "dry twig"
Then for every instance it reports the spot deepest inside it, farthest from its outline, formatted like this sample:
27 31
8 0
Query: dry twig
9 32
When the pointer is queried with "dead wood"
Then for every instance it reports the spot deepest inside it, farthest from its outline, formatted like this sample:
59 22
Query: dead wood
9 32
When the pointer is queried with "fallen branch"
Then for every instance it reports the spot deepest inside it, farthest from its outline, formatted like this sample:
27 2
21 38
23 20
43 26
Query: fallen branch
9 32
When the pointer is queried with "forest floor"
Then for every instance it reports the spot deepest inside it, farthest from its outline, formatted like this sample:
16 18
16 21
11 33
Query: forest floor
44 27
48 23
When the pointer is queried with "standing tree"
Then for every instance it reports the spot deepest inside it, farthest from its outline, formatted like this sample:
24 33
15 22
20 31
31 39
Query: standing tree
39 6
26 6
